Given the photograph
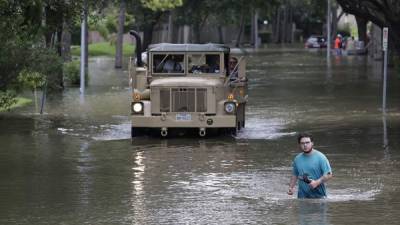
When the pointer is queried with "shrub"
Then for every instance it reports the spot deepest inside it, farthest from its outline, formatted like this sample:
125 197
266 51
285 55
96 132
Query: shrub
72 73
47 62
7 99
103 31
31 79
111 23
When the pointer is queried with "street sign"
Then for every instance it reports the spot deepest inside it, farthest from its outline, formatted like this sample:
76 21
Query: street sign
385 33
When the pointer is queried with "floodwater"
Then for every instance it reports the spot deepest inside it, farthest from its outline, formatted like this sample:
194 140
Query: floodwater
76 163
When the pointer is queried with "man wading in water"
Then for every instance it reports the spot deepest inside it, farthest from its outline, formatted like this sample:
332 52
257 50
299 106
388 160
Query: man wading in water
311 168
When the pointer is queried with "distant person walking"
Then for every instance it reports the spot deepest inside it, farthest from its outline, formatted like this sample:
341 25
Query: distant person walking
311 168
350 43
338 45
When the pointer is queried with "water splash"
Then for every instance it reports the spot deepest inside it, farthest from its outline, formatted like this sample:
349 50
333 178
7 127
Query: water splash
114 132
351 194
263 128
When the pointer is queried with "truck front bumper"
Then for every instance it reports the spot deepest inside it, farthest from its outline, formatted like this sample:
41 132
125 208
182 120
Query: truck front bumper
184 121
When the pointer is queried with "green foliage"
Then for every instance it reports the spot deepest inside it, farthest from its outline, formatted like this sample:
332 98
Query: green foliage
47 62
345 30
106 23
31 79
22 43
17 57
71 72
161 5
96 22
111 23
7 99
103 31
104 49
129 22
15 42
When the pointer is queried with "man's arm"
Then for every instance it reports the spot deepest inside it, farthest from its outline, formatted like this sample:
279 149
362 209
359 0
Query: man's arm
323 179
292 184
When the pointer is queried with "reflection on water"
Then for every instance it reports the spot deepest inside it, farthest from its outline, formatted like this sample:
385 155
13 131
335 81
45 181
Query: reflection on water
76 164
313 212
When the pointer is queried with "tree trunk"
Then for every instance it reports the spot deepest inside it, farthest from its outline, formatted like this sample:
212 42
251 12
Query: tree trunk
86 8
66 42
241 27
290 31
253 27
284 25
276 25
148 27
220 34
394 37
382 13
362 29
196 31
375 49
334 21
170 27
147 36
120 35
47 33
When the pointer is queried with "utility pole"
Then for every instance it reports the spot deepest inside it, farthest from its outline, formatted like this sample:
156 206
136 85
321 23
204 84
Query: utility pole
83 46
328 33
385 36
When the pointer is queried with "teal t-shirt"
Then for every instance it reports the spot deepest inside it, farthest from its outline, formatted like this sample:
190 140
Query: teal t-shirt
315 165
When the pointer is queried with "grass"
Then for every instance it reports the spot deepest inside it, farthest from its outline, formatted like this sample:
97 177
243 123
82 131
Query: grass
20 102
103 49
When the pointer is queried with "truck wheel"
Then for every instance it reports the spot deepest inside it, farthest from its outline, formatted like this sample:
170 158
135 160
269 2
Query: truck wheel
134 132
233 131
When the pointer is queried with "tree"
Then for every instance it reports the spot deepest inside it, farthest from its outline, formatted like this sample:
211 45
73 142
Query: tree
18 25
362 28
7 99
120 35
32 80
308 15
198 13
384 13
195 13
148 13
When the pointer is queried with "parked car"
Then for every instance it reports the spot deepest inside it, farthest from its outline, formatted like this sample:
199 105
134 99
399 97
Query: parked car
315 42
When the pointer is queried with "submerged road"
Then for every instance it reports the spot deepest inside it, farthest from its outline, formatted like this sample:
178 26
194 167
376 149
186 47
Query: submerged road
76 164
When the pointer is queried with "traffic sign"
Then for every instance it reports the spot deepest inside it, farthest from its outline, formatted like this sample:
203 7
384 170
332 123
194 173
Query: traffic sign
385 33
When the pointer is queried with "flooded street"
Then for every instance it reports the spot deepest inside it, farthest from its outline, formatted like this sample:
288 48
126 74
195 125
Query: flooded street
76 163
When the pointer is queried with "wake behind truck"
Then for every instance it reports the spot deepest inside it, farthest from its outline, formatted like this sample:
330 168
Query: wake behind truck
187 87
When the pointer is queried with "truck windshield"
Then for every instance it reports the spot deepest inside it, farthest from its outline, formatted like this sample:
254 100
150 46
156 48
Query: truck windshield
204 63
168 63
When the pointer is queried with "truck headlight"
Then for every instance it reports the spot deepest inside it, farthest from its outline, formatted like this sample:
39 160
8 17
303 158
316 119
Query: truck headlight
137 107
230 107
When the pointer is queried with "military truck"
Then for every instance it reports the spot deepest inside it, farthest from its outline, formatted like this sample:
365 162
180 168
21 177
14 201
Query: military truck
182 87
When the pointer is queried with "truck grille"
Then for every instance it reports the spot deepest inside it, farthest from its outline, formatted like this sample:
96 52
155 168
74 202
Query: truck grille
183 100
